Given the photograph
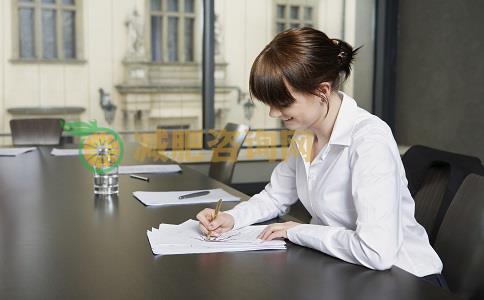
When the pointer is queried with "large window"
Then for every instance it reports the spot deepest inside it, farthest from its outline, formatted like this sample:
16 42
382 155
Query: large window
46 29
291 14
152 68
172 30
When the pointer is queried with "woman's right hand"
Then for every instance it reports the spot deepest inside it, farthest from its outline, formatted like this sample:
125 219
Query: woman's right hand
223 223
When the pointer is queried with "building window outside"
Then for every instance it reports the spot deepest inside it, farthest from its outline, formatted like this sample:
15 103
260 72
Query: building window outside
292 14
46 29
172 25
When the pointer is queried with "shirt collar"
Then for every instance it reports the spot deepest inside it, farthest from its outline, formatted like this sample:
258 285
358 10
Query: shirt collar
345 121
341 134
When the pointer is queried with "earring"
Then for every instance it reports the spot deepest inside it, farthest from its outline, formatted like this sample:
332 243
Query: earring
323 98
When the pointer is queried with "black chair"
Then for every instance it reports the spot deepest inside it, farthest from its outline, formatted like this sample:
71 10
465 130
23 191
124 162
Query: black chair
226 150
36 132
460 241
434 176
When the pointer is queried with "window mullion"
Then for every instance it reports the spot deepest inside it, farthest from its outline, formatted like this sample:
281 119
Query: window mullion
59 31
147 30
287 17
301 15
39 51
181 31
276 17
79 44
16 29
181 37
164 33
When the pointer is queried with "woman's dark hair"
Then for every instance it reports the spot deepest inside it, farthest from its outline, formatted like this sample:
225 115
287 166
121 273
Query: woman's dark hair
303 58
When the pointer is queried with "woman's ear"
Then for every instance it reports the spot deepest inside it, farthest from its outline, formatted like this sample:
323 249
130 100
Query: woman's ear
324 88
323 92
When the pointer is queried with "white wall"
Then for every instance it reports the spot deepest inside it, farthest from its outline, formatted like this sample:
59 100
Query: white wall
353 22
362 34
247 29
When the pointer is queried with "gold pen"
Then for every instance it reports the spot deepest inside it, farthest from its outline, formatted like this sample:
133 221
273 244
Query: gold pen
217 210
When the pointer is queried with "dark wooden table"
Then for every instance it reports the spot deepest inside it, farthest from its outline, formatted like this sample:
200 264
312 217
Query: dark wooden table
57 241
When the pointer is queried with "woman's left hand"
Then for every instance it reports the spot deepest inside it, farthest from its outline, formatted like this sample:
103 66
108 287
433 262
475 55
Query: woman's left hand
276 230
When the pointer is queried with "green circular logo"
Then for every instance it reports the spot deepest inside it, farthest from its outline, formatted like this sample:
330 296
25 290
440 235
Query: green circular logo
101 151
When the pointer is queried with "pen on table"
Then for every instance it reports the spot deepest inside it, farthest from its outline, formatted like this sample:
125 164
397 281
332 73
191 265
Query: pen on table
196 194
217 210
139 177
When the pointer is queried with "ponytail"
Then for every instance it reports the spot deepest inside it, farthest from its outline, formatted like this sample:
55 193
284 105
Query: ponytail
345 56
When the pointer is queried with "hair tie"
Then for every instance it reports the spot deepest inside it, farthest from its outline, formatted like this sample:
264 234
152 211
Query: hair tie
341 57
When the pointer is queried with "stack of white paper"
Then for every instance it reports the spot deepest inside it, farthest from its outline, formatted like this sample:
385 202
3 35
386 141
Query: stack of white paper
137 169
186 238
15 151
171 198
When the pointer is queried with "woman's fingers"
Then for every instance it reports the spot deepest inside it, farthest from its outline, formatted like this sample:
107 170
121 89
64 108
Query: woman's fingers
208 225
203 229
264 232
276 230
215 223
214 233
219 231
276 235
269 230
205 217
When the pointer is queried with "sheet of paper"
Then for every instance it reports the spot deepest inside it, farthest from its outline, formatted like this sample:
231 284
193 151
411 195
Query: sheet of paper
15 151
137 169
70 152
171 198
186 238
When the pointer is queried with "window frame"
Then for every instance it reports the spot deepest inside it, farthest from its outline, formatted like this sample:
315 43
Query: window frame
302 4
59 8
181 15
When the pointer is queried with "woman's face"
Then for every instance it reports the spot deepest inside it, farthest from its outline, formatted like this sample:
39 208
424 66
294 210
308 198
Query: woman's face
301 114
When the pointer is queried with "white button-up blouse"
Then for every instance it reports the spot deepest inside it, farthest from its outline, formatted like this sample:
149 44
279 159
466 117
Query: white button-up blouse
356 192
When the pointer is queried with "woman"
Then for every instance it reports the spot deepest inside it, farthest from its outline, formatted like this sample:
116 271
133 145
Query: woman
351 181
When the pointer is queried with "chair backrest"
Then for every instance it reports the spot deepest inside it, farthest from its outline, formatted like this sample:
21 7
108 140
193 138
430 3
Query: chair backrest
226 150
430 196
434 176
460 241
36 131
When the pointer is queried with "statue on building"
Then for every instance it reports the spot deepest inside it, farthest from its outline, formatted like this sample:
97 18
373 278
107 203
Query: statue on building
135 26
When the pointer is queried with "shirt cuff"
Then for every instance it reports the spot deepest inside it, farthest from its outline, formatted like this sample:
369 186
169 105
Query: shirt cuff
236 217
297 234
